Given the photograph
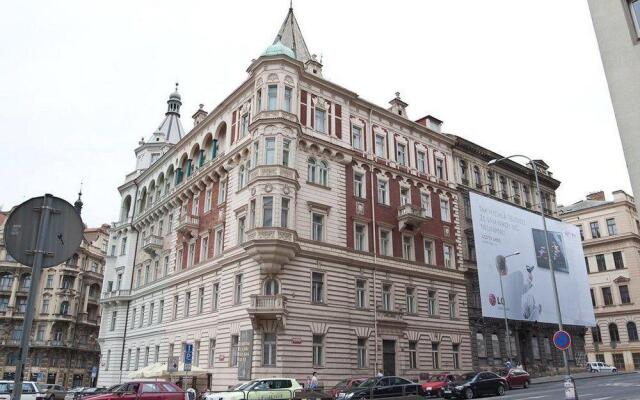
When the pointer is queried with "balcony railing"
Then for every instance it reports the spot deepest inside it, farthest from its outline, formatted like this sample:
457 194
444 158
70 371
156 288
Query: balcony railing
270 307
188 224
275 114
410 217
115 295
152 244
272 171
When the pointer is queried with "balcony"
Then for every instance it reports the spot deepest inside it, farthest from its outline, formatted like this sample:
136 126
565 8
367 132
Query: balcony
92 320
275 114
188 225
262 172
268 307
410 217
152 244
391 317
116 296
271 247
66 292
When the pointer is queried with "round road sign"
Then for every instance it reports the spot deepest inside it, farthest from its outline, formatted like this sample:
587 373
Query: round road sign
63 234
562 340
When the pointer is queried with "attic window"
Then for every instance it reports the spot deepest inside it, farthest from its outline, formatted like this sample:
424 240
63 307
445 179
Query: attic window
399 112
315 71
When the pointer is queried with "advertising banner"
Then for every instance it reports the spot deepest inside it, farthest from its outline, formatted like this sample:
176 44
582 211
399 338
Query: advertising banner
501 230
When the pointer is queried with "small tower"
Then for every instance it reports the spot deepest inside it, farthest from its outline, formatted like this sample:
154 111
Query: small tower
398 106
78 204
174 102
314 66
199 115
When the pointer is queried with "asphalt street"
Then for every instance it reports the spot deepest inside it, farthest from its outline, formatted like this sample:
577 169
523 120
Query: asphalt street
610 387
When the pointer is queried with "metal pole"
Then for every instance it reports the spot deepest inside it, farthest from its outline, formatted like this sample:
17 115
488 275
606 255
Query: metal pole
36 270
506 322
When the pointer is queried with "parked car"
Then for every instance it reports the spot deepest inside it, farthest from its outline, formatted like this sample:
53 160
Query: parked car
144 390
434 386
345 385
52 392
475 384
91 391
272 388
597 366
30 391
71 393
385 386
516 377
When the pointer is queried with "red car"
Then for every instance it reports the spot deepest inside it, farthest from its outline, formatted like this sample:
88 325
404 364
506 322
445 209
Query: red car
516 377
435 384
145 390
346 385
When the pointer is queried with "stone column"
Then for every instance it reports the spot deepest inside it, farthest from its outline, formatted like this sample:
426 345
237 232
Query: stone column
14 291
86 299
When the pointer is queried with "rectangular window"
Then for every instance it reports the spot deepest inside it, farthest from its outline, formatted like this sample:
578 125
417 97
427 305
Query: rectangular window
174 314
286 148
429 257
200 300
635 15
360 237
207 200
267 211
358 185
192 254
219 242
123 246
195 205
383 192
146 356
581 231
128 359
410 297
318 227
237 292
142 311
152 307
602 265
318 350
440 168
165 266
617 260
114 319
204 248
233 352
624 294
407 248
241 230
435 356
386 297
269 350
593 297
448 256
595 230
361 293
413 354
106 367
421 162
272 93
222 191
317 287
284 213
356 137
612 228
401 156
160 311
425 203
320 114
385 243
215 296
287 98
456 356
453 307
135 365
432 302
133 317
405 196
45 306
212 352
270 151
362 353
606 295
380 146
187 304
445 214
259 101
49 284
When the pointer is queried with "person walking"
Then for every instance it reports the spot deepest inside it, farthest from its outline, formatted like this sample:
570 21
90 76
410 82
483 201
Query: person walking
314 382
379 374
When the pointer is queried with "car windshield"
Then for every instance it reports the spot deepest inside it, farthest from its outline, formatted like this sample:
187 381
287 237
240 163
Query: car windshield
43 387
246 386
368 383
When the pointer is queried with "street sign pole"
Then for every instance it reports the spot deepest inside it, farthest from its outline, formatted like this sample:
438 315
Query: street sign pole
43 229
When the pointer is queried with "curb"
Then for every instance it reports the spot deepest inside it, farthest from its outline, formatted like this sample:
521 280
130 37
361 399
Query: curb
559 378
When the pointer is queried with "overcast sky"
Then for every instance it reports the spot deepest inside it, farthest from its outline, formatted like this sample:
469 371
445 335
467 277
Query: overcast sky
82 81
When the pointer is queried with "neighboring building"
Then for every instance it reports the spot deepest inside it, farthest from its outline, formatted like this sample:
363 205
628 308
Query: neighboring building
296 227
513 183
617 27
64 345
611 242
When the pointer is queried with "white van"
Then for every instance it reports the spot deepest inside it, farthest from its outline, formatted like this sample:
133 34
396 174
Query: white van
597 366
30 391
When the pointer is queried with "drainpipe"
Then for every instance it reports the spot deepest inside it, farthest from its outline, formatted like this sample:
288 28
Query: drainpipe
133 267
375 256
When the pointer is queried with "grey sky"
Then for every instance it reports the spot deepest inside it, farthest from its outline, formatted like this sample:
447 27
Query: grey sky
82 81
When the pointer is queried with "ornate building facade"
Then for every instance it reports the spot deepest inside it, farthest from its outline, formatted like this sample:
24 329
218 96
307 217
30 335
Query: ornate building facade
295 228
64 338
511 182
611 242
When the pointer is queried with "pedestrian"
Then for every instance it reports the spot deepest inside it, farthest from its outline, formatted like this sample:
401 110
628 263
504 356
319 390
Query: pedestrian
380 374
508 364
314 382
308 385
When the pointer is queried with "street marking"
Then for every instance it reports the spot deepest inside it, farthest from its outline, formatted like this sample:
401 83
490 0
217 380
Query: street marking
603 398
535 397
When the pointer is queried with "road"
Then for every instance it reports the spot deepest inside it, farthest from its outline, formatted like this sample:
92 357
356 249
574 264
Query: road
610 387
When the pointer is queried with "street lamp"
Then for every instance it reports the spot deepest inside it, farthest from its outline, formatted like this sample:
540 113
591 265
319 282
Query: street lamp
502 270
546 239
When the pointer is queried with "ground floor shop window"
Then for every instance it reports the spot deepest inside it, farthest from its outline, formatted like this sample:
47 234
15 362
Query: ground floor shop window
618 361
636 360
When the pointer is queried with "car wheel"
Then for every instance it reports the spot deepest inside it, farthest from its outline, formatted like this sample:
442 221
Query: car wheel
614 370
525 384
468 393
441 393
500 390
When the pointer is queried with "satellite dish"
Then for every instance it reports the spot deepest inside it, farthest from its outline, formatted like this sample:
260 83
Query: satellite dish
63 236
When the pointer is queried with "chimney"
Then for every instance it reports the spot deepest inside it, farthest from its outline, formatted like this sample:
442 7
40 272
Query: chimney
431 122
596 196
199 115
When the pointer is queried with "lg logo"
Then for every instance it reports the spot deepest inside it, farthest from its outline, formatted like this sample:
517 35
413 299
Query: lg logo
493 300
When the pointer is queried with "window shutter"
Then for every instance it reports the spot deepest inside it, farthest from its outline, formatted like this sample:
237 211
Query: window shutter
339 121
303 108
234 125
313 112
329 117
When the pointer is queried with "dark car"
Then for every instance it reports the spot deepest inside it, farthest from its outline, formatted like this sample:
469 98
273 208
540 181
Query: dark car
384 386
475 384
516 377
144 390
346 385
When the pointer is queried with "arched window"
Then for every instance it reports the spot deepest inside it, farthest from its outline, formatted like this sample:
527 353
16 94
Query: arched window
614 336
6 280
271 287
323 173
596 335
311 170
632 331
64 308
25 281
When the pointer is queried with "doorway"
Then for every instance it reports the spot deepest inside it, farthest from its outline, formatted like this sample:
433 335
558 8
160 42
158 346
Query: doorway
389 357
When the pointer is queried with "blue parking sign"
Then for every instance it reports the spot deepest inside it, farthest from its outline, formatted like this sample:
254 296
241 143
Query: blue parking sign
188 353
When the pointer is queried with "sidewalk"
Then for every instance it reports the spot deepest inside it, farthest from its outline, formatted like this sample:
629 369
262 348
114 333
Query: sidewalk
576 376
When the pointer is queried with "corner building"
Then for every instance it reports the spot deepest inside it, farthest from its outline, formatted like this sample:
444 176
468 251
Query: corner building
295 228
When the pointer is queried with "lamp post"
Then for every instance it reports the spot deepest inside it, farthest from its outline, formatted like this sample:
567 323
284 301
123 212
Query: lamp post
546 240
499 261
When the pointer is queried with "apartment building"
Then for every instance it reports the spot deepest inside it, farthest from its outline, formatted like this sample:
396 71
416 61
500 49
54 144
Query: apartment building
64 338
611 241
295 228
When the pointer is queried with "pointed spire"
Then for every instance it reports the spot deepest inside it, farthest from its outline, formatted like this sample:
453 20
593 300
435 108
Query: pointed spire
78 204
290 35
171 126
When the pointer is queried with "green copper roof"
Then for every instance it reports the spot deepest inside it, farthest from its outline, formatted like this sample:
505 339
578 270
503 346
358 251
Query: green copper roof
279 48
